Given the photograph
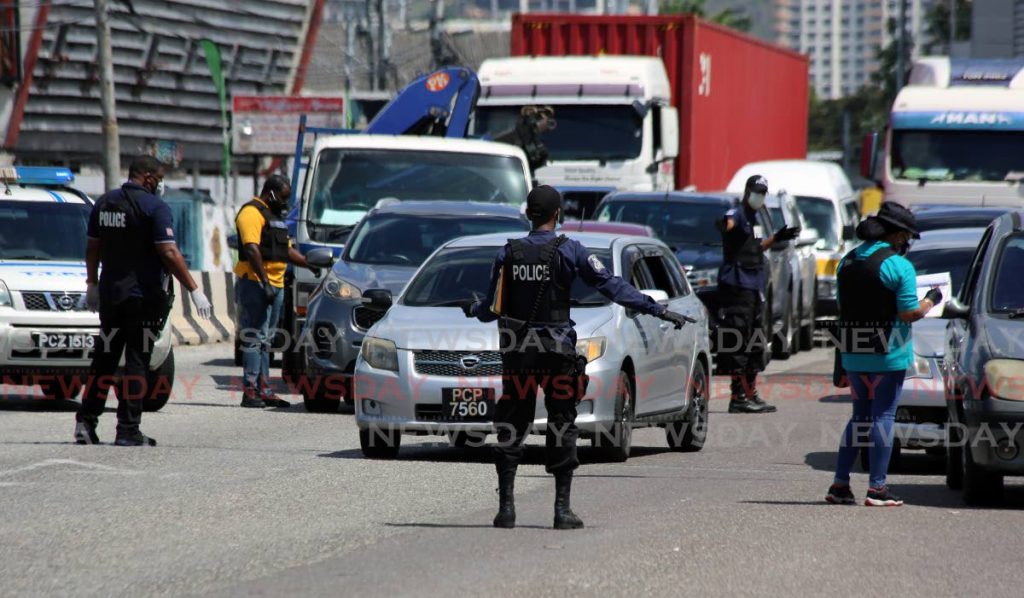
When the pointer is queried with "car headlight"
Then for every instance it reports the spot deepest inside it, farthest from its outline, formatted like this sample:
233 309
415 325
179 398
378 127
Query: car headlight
5 296
827 287
703 278
591 348
1005 378
920 368
380 353
339 289
827 265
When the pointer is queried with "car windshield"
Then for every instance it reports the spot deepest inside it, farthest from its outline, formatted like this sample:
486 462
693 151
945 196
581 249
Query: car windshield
460 273
407 239
778 220
676 223
820 215
584 132
936 220
1008 287
958 155
43 231
348 182
954 260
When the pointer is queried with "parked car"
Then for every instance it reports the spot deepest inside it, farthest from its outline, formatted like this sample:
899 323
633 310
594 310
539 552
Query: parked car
686 221
829 205
984 365
383 252
933 217
617 228
921 415
642 372
795 267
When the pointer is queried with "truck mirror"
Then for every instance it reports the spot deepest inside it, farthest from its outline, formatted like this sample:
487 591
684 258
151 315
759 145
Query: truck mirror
869 155
321 257
955 310
641 109
377 299
669 133
849 232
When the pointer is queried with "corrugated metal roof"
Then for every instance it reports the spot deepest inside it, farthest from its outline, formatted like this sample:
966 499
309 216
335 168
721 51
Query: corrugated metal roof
164 89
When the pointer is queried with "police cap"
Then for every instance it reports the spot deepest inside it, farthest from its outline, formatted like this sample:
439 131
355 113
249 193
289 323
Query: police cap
542 202
757 184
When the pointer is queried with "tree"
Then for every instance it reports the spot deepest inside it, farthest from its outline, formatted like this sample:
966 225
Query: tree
736 18
938 26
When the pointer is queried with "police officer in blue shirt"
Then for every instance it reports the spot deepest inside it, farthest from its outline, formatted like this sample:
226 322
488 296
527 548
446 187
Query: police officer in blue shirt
741 282
131 234
529 295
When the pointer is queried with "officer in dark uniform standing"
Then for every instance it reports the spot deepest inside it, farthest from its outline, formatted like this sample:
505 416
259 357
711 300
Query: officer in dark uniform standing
131 233
529 295
741 283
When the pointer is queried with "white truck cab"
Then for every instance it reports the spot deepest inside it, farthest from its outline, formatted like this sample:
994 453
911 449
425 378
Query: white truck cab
616 127
956 135
47 335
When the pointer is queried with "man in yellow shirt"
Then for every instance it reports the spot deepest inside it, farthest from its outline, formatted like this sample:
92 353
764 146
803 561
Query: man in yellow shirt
263 256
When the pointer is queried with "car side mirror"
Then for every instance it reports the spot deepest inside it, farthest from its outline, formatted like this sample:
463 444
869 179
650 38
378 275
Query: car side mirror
956 310
377 299
849 232
658 295
321 257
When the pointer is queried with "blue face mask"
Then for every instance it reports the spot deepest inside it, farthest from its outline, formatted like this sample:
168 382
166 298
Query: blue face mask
558 226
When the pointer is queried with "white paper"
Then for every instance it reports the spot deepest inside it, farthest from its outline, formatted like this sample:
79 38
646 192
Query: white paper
941 281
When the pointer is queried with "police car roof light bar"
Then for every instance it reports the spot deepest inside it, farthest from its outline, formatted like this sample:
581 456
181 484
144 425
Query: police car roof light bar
39 175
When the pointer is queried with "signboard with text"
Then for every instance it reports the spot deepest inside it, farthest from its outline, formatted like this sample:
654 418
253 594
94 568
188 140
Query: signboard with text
268 125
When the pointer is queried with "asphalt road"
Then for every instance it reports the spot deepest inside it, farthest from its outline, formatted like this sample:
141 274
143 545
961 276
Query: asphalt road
280 502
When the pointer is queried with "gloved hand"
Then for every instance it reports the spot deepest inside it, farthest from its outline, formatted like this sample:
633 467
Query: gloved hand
787 233
467 308
201 303
92 296
676 318
269 292
934 295
316 271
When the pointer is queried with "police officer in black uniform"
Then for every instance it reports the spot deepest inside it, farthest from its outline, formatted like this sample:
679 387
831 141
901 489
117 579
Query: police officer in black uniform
131 233
529 292
741 283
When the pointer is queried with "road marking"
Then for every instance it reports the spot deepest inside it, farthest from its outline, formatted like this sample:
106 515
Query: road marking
94 467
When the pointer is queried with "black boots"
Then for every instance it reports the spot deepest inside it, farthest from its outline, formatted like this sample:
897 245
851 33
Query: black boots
745 398
85 433
506 517
564 517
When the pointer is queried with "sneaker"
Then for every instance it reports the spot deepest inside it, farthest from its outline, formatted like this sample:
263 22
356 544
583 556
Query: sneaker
840 494
747 406
136 439
765 407
85 433
272 400
251 401
881 497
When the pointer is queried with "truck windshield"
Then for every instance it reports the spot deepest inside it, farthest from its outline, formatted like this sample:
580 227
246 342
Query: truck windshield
348 182
958 155
676 223
820 215
584 132
43 231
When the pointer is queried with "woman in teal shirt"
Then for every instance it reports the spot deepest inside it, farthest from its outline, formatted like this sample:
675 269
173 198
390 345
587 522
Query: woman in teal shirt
877 304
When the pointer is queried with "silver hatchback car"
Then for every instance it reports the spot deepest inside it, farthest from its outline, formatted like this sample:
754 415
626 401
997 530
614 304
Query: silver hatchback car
427 369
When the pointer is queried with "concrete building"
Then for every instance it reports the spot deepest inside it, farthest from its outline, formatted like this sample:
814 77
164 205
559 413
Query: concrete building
1000 24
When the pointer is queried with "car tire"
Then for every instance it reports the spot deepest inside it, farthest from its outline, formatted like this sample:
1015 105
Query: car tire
954 460
783 343
616 443
62 388
467 439
980 487
159 382
689 435
318 399
807 330
380 444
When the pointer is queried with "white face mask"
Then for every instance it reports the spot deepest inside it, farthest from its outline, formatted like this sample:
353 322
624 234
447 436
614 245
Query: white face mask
160 188
756 200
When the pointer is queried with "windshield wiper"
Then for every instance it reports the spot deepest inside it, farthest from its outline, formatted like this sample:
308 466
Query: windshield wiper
578 303
29 257
448 303
338 230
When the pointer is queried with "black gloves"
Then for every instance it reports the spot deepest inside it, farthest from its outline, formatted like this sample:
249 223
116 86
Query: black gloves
934 295
316 271
676 318
467 308
787 233
269 292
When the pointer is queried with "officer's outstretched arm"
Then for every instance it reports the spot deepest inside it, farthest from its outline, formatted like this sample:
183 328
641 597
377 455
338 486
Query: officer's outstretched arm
92 261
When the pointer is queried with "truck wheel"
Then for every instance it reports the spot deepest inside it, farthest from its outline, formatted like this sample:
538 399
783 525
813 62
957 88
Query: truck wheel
160 382
981 487
688 435
61 388
783 344
615 442
379 444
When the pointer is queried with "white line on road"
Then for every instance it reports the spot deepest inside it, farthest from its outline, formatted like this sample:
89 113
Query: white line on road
96 467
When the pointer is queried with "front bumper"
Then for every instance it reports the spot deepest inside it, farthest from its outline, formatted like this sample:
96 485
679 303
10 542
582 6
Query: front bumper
995 433
411 402
827 305
921 414
332 337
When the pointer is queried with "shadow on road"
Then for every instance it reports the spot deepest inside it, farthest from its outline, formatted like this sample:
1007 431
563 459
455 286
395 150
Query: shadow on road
442 452
460 526
840 398
910 463
37 404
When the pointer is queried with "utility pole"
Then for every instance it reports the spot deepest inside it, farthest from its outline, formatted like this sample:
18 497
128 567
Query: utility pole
952 26
901 46
108 100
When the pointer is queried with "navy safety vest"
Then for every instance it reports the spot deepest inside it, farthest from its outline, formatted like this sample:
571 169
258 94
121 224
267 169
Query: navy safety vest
867 309
123 246
746 250
274 236
532 290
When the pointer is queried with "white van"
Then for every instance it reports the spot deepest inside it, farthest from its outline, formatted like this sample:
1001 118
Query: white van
829 205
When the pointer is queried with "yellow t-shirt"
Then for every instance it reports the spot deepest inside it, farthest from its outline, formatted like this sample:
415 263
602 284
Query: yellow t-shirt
250 223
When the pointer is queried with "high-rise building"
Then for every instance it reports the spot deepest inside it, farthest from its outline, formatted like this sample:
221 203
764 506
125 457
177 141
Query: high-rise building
1002 22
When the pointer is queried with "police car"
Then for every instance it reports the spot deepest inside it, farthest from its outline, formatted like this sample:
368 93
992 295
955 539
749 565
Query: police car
47 334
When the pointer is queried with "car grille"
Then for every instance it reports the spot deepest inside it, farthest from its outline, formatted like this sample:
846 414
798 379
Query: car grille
428 413
53 301
454 363
364 317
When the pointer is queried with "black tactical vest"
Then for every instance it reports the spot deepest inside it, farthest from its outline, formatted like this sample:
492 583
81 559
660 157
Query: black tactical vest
532 290
123 246
274 237
867 309
746 250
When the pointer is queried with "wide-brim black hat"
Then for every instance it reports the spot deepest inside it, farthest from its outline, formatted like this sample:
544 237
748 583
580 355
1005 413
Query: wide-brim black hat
894 216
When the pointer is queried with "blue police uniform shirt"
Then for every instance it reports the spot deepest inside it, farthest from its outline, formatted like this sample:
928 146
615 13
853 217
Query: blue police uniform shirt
575 261
160 229
732 273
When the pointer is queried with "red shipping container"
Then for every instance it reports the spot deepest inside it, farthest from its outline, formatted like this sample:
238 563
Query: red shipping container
740 99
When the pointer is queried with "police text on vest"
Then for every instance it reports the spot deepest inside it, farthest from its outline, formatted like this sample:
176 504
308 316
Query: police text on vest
113 219
530 272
